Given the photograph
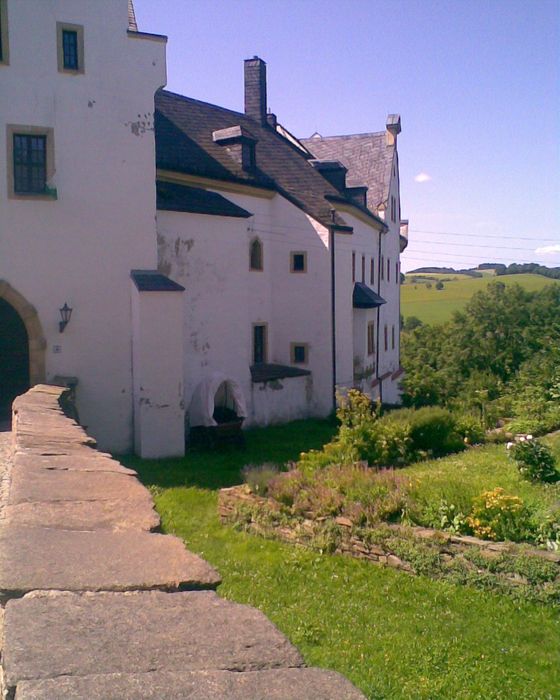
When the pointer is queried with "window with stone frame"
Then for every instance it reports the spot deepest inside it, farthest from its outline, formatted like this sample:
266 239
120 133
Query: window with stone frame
256 255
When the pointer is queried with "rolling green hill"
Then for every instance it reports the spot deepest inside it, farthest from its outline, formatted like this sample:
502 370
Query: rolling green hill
433 305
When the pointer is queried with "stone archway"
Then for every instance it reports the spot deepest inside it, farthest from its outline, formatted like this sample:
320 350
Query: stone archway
36 338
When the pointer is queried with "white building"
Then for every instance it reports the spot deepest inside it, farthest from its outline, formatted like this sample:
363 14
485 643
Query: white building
234 280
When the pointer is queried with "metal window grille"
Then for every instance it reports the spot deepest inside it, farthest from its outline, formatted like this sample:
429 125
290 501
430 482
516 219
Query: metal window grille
70 49
30 163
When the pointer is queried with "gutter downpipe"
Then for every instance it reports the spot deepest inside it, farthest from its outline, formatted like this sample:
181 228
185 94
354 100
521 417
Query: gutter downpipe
333 308
378 338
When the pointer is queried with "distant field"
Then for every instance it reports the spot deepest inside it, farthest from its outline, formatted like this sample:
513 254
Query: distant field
435 306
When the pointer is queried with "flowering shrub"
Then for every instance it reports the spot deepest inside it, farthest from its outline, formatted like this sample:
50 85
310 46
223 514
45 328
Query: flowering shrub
497 515
535 461
258 477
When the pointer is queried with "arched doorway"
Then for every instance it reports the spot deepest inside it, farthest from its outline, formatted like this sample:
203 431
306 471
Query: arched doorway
22 347
14 357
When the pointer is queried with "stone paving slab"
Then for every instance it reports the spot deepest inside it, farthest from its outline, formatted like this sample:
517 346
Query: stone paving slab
137 632
41 558
96 462
275 684
130 514
30 484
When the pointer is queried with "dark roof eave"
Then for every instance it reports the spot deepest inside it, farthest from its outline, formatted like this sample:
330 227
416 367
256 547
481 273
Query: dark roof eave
365 298
342 200
154 281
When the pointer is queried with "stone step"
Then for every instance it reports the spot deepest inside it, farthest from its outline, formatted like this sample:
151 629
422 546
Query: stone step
41 558
31 484
47 635
131 514
275 684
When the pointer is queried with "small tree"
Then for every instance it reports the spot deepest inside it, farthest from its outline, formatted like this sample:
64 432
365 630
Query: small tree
439 284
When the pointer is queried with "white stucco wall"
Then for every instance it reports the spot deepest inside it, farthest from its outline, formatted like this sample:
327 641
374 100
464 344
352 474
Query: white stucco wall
209 255
81 247
157 368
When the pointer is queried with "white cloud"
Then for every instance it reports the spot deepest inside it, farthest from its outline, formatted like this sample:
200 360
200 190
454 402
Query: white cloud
422 177
550 249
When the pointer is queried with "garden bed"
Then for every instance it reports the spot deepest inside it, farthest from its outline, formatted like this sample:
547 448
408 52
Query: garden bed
518 570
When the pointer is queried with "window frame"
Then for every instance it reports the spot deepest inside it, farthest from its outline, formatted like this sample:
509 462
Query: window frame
386 337
293 254
293 359
4 35
370 335
393 337
13 130
252 242
372 272
388 269
62 27
264 326
353 266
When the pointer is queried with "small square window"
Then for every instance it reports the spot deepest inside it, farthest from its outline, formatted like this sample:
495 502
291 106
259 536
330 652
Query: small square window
70 47
298 261
299 353
4 46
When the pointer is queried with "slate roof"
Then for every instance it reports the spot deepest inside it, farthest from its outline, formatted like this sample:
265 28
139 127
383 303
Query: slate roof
183 130
367 156
154 281
363 297
175 197
132 25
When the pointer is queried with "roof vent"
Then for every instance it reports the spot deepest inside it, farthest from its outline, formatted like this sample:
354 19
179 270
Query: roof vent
393 127
333 171
240 145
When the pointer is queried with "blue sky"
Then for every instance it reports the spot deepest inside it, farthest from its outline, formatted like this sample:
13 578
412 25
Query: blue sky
476 84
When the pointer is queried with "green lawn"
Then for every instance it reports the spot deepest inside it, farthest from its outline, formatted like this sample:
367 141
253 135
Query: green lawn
436 306
393 635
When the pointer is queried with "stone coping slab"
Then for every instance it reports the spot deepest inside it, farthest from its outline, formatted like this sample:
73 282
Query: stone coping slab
139 632
275 684
130 514
94 462
30 484
42 558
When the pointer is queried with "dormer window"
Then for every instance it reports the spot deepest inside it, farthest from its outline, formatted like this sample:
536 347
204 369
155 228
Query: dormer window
70 47
256 255
240 145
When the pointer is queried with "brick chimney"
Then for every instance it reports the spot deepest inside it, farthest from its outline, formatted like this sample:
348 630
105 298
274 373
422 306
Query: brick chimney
393 127
255 89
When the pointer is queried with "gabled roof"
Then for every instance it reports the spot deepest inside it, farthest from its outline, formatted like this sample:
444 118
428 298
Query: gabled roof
184 144
367 156
132 25
175 197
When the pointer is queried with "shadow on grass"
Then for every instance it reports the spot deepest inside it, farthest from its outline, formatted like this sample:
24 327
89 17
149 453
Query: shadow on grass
219 468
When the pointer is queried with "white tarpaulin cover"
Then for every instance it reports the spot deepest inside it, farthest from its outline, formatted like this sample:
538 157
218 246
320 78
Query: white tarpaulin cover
201 410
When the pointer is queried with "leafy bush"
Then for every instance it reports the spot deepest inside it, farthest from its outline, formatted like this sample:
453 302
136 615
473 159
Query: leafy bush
470 429
535 461
497 515
432 430
259 477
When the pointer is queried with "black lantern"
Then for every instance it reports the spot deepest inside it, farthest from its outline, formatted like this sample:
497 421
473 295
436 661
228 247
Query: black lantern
65 314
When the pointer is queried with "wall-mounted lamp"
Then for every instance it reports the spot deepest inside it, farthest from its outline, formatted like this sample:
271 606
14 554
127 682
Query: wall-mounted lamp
65 314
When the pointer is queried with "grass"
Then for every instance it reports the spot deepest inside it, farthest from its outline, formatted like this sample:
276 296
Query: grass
460 478
393 635
436 306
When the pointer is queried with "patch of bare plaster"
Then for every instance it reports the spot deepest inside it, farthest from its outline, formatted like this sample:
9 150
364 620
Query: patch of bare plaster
90 103
164 265
274 384
140 126
309 388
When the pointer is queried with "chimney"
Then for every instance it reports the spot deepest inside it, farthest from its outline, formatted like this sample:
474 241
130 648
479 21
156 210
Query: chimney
393 127
272 120
255 89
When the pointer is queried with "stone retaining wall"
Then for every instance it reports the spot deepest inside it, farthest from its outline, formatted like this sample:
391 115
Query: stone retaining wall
96 604
238 505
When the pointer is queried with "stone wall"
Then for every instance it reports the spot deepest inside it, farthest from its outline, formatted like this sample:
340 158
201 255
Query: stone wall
95 604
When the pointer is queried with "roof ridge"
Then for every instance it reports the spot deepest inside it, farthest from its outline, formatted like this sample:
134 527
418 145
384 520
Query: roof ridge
203 102
343 136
